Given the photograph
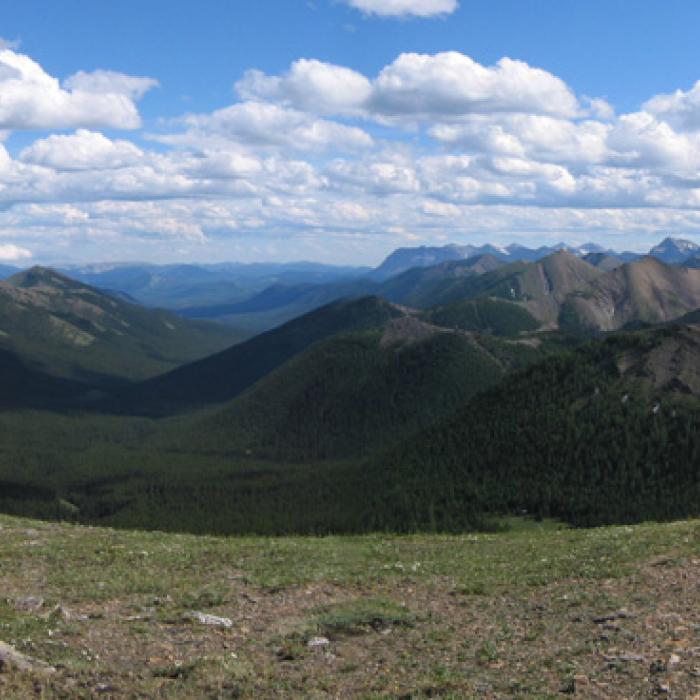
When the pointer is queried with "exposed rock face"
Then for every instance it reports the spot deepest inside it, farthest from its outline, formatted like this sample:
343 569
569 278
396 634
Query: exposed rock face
647 290
672 364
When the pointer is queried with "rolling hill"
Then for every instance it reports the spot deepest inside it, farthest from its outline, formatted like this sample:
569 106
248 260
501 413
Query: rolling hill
365 414
479 294
71 330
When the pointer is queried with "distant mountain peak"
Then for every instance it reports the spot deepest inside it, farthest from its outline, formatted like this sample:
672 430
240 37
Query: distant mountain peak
683 243
674 250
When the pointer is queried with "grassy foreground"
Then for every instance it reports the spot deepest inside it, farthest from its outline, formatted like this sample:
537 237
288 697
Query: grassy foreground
539 612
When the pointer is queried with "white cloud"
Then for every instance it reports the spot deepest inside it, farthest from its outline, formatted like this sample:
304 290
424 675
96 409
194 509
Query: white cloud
600 108
436 147
262 124
105 81
9 252
451 85
639 140
32 99
540 137
310 85
83 150
9 43
423 87
402 8
378 176
680 109
432 207
224 164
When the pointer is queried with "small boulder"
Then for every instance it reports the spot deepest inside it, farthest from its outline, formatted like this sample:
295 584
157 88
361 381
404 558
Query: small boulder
10 658
316 642
29 603
210 620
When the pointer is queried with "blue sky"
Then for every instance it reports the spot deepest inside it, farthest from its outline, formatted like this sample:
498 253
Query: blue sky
369 124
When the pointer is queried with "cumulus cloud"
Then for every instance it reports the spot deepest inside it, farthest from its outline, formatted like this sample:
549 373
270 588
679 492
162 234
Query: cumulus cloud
680 109
83 150
403 8
264 124
452 84
432 146
379 175
310 85
540 137
447 85
32 99
432 207
9 252
105 81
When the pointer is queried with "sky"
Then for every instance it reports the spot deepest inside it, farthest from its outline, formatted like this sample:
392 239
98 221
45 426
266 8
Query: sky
338 130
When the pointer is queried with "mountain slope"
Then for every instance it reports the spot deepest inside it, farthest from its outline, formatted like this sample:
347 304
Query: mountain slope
403 259
492 316
609 433
354 393
538 287
71 330
603 261
224 375
543 286
23 386
422 287
645 291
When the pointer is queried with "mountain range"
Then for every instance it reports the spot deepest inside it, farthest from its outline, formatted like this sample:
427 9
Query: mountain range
400 279
257 297
181 286
445 396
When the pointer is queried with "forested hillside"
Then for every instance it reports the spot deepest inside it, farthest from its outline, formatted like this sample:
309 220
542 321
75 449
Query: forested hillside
355 393
65 328
223 376
608 433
